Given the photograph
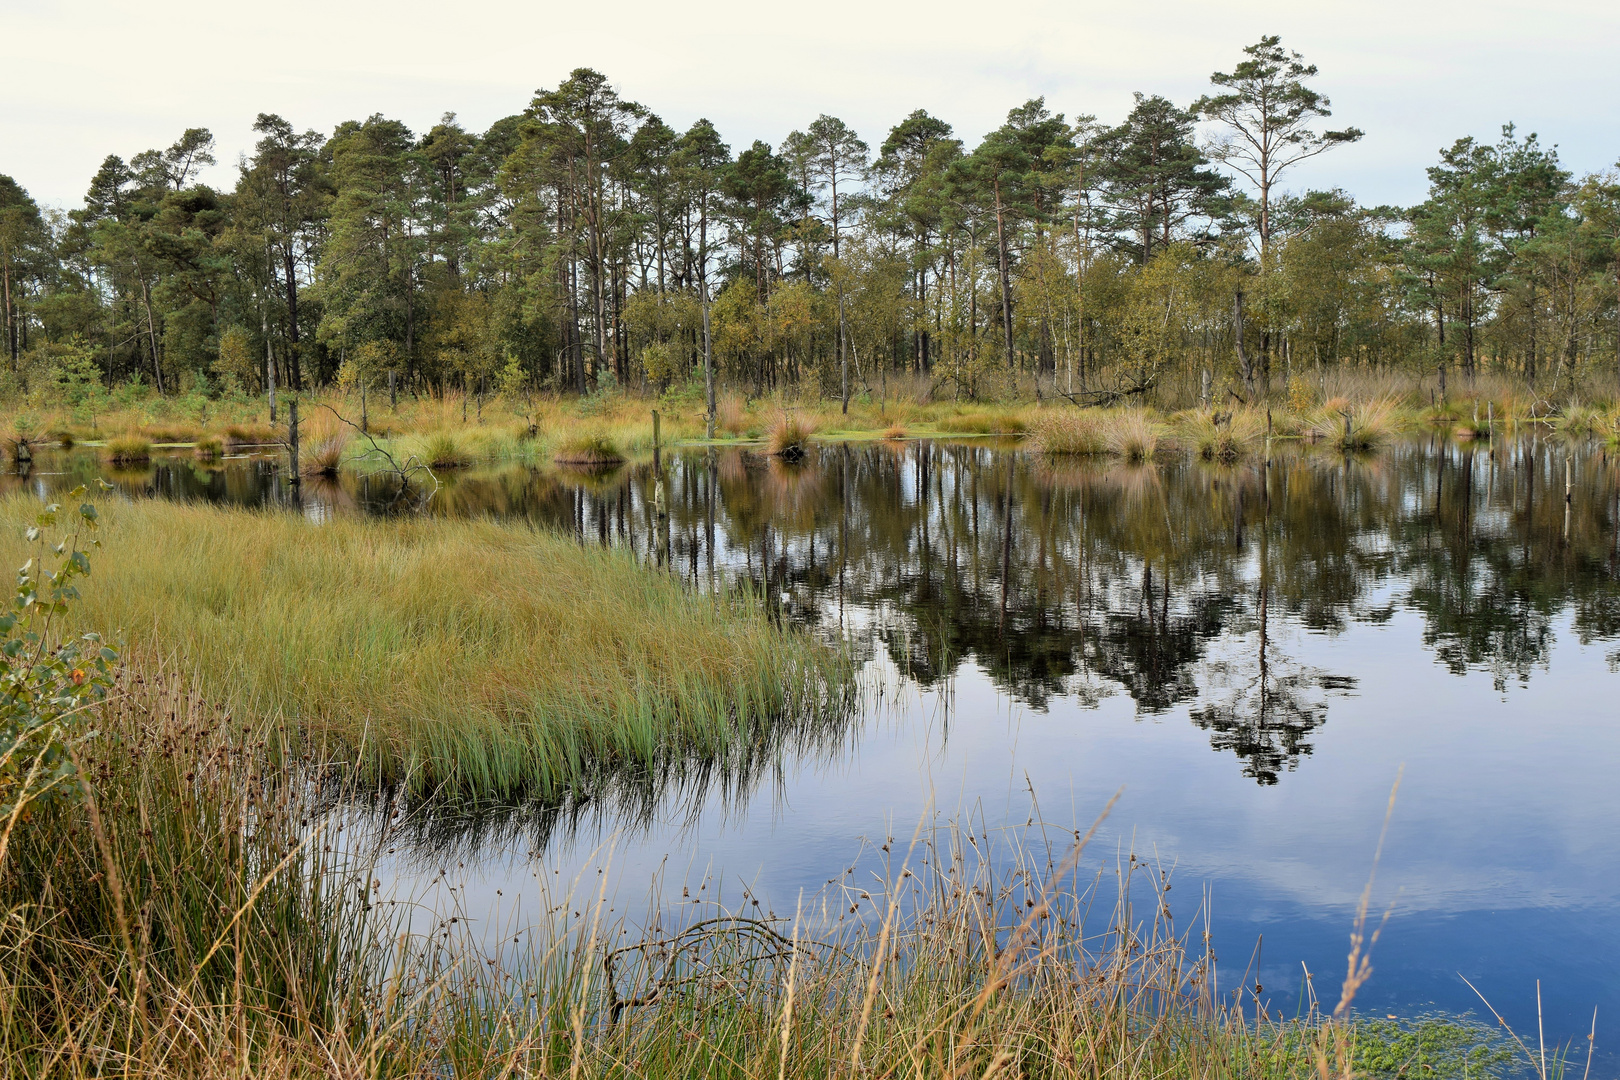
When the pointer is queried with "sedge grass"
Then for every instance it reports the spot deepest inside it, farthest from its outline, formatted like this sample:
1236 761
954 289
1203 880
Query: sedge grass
591 447
789 437
127 450
1069 431
488 658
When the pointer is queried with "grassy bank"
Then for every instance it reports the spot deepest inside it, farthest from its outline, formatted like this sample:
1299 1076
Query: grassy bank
493 659
451 431
192 922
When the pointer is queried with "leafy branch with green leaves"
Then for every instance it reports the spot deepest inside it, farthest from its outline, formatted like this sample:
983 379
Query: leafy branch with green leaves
48 681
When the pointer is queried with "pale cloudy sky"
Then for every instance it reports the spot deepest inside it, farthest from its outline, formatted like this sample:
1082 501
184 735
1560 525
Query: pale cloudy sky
84 79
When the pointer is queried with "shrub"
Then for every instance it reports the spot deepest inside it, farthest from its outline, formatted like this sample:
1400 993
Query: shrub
46 681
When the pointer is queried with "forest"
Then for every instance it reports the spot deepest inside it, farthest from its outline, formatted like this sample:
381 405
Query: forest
583 245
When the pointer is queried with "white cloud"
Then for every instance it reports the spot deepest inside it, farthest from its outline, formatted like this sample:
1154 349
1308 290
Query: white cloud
88 79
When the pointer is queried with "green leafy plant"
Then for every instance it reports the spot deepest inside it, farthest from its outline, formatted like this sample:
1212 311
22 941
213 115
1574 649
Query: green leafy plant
47 681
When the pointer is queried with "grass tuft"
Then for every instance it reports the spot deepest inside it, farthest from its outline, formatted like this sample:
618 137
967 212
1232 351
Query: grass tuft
590 447
1133 435
1070 432
788 438
127 450
442 450
325 458
209 448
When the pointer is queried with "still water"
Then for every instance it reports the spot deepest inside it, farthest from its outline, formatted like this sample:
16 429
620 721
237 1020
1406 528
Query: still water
1253 654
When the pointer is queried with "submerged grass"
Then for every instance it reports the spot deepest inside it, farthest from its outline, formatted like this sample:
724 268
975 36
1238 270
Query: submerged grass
492 659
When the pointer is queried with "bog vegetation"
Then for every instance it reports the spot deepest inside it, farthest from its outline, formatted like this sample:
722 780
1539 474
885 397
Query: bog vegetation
176 904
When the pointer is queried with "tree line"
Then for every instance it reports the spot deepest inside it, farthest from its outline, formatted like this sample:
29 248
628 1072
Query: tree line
584 244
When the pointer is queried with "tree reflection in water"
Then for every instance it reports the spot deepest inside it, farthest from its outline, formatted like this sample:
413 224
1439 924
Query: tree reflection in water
1176 583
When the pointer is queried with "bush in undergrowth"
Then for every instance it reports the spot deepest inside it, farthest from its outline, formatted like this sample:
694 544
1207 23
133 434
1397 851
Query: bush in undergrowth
47 680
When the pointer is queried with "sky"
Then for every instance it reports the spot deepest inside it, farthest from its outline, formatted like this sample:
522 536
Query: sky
90 78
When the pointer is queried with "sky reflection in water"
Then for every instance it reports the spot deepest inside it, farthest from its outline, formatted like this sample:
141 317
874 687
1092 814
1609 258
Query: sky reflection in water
1253 654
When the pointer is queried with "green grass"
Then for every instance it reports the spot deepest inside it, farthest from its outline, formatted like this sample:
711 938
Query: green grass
492 659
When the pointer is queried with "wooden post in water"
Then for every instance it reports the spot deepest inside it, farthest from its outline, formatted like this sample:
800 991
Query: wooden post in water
365 424
480 399
655 438
292 437
1569 479
393 401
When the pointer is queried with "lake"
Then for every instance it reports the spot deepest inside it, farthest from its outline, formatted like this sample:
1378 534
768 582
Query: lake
1253 654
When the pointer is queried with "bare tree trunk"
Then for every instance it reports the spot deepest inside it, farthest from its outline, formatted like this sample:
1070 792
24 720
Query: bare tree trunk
1245 369
1006 281
151 332
269 365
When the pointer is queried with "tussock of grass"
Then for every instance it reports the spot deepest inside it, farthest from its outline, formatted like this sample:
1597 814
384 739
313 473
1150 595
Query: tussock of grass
441 450
1362 426
1215 436
984 423
127 450
1133 435
1581 419
1070 431
895 432
789 438
590 447
325 458
240 435
490 658
208 448
196 822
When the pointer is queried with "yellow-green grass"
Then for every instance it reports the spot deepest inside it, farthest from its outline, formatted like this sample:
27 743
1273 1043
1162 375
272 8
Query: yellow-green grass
127 449
1359 425
1070 431
789 437
209 448
1221 436
492 659
1133 435
590 447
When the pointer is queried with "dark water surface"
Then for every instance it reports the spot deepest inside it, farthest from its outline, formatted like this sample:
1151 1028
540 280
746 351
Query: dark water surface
1254 654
